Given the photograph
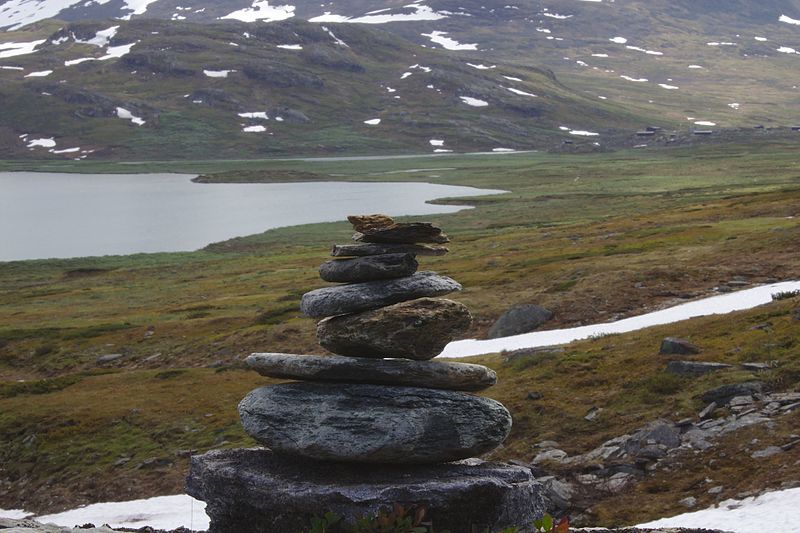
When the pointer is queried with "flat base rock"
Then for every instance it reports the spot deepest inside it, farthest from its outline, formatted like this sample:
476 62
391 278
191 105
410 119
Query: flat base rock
255 491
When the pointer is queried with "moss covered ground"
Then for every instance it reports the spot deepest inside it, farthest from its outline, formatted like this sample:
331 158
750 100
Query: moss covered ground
594 237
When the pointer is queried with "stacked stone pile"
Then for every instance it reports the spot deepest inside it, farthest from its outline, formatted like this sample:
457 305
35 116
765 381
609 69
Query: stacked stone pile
379 401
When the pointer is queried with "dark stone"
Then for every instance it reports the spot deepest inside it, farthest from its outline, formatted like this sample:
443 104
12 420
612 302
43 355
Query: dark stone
365 249
519 319
382 229
694 368
418 329
255 491
110 358
722 395
675 346
373 423
370 268
534 395
344 299
335 368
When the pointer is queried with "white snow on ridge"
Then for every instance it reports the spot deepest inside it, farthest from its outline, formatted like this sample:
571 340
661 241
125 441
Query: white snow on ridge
787 50
474 102
438 37
40 74
18 13
217 73
255 114
481 66
583 133
705 123
789 20
19 49
254 129
437 142
101 38
136 7
669 87
372 122
421 12
696 66
618 40
714 305
779 509
43 142
290 46
521 93
638 80
261 10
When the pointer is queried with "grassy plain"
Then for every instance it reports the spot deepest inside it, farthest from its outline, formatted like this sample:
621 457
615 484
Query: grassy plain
594 237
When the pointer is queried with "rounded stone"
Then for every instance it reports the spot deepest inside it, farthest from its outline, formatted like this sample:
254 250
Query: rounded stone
355 297
370 268
255 491
522 318
335 368
417 329
373 423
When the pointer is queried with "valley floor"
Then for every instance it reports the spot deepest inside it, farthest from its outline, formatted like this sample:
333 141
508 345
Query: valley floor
595 238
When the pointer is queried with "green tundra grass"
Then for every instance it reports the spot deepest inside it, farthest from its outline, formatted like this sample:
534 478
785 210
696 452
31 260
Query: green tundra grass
594 237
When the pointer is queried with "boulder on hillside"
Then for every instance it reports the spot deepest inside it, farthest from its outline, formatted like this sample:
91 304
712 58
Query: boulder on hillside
694 368
676 346
522 318
724 394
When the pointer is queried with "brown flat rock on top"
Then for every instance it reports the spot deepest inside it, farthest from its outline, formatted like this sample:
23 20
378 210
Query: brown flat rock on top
383 229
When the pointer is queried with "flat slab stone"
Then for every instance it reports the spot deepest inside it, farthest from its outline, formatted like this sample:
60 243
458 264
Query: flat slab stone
417 329
355 297
366 249
336 368
694 368
369 268
383 229
255 491
373 423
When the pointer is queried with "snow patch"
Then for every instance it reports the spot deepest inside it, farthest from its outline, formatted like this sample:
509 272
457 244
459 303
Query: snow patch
787 50
217 73
705 123
127 115
19 49
734 105
43 142
696 66
670 87
254 129
521 93
583 133
789 20
474 102
714 305
255 114
438 37
39 74
373 121
779 509
618 40
290 46
481 66
421 12
499 150
760 39
638 80
437 142
261 10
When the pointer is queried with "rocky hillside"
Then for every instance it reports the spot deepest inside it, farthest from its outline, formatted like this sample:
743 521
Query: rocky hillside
199 78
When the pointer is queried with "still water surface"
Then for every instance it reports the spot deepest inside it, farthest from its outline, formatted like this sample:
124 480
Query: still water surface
45 215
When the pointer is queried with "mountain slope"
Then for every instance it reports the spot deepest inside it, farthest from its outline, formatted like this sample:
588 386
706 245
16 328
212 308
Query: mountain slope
161 89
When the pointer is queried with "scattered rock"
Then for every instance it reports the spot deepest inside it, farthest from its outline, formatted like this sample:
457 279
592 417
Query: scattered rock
255 491
110 358
534 395
759 367
335 368
382 229
676 346
767 452
373 424
369 268
356 297
722 395
694 368
706 412
367 249
418 329
519 319
593 413
547 456
716 490
558 493
689 502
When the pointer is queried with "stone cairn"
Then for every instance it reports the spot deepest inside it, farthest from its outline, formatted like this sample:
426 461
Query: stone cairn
378 423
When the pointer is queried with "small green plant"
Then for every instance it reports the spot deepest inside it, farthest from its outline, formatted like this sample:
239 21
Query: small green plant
785 295
548 524
325 523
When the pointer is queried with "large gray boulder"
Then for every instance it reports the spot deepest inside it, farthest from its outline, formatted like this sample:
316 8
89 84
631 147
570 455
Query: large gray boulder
344 299
370 268
522 318
336 368
373 423
676 346
418 329
255 491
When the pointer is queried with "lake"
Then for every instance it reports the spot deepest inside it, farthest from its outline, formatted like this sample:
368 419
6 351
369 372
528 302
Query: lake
54 215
